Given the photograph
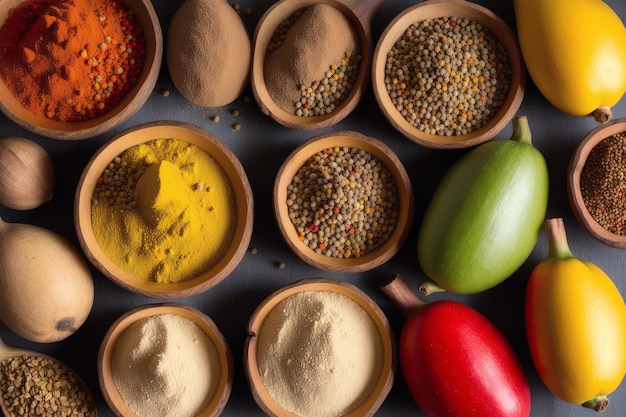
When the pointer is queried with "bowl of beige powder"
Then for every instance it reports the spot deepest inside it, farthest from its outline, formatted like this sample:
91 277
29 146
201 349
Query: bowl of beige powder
319 348
165 359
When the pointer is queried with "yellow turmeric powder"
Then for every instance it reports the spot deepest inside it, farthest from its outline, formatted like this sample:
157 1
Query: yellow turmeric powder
164 211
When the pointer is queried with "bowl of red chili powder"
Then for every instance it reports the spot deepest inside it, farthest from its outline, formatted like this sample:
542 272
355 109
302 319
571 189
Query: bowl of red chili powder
74 69
597 184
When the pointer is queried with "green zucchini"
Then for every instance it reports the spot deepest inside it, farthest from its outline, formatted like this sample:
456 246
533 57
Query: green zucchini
485 216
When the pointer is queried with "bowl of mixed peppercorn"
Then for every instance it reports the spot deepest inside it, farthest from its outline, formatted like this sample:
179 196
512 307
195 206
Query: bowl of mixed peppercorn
597 183
343 202
75 70
448 74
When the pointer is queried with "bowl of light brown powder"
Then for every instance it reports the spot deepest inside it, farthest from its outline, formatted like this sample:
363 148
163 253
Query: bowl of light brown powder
319 348
166 359
448 74
164 210
596 183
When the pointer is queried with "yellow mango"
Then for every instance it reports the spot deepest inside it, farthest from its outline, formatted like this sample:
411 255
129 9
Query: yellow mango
575 53
575 324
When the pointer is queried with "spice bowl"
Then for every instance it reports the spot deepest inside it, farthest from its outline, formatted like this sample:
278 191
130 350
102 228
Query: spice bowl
194 327
359 13
128 105
367 208
232 247
420 122
583 206
329 300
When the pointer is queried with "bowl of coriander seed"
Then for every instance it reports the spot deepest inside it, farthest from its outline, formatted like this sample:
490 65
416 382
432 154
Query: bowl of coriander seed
448 74
343 202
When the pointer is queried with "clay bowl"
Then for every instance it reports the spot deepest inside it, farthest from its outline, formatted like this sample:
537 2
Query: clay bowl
145 133
105 377
432 9
251 366
132 102
359 12
576 165
7 352
405 193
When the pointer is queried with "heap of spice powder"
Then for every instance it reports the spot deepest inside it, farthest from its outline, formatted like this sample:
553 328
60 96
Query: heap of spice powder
33 386
603 183
322 92
71 60
164 211
343 202
448 76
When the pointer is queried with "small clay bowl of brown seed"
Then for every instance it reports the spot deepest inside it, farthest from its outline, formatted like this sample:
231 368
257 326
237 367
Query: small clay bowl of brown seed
114 94
596 186
448 74
336 86
210 225
153 342
343 202
345 357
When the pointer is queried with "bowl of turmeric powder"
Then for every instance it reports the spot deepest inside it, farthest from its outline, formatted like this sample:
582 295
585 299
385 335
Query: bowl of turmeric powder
343 202
164 210
73 70
167 359
448 74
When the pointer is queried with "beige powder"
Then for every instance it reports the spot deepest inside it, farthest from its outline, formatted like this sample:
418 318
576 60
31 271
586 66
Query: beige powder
165 365
319 38
319 354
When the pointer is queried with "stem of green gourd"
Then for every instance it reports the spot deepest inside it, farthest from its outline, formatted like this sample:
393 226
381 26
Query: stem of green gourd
428 287
558 248
521 130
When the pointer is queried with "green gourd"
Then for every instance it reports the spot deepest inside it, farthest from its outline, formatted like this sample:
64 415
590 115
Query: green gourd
485 216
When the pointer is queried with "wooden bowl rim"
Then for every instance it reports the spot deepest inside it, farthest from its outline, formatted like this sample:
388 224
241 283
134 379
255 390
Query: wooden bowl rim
441 8
576 165
386 156
241 190
266 26
105 377
388 367
130 104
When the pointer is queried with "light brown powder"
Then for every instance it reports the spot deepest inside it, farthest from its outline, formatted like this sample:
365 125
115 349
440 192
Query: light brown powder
208 52
319 354
319 38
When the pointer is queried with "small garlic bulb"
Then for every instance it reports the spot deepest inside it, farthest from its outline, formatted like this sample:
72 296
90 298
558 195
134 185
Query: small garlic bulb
26 174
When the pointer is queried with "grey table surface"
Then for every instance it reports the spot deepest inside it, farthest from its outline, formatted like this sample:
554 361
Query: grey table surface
261 145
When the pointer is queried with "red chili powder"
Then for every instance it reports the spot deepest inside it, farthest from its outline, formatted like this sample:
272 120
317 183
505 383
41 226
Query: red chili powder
71 60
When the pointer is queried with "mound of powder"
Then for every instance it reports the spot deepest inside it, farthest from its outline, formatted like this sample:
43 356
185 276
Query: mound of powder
165 365
320 37
208 52
319 354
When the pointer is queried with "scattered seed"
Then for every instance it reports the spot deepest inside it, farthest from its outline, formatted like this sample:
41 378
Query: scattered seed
253 251
280 265
165 92
234 112
236 126
215 118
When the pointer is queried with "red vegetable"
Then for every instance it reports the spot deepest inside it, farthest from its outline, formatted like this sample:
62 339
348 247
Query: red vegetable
455 361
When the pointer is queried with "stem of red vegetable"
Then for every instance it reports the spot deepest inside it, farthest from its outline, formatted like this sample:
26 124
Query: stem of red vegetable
403 297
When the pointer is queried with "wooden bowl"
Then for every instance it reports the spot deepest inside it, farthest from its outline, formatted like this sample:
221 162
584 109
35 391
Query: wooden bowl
432 9
251 366
145 133
359 12
105 377
576 165
405 194
130 104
